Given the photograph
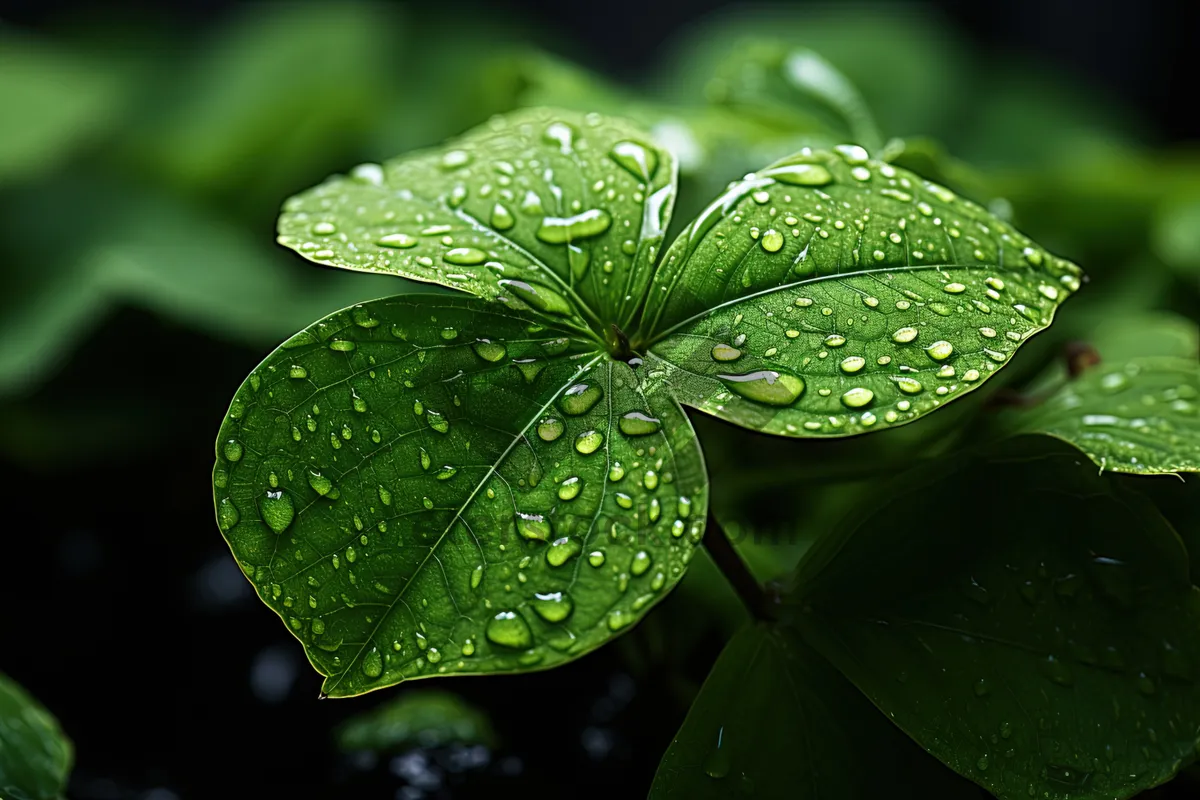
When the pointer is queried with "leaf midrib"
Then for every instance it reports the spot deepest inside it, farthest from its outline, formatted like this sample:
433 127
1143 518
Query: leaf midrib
457 515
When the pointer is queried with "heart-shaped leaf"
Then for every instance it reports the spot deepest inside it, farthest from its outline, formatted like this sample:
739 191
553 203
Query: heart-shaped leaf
550 210
35 755
1023 618
1141 415
775 720
425 486
830 294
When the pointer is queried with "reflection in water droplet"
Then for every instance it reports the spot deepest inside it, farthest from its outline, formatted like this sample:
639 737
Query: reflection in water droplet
489 350
533 526
636 423
508 629
580 398
766 386
553 606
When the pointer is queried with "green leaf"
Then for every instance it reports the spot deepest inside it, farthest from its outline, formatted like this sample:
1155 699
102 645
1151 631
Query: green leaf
448 486
555 211
270 97
54 102
770 77
775 720
1026 620
829 294
35 755
1140 416
135 247
423 718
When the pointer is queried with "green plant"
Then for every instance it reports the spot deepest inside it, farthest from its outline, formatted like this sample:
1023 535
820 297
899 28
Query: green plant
504 479
35 755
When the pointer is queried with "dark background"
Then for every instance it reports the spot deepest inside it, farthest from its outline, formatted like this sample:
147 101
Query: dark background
123 612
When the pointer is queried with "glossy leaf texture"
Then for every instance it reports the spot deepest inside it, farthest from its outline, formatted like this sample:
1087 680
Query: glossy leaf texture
555 211
830 294
1141 415
434 486
35 755
422 718
775 720
1039 636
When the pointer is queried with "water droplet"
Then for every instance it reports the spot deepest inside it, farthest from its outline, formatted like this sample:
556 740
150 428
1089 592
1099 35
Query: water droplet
446 473
940 351
455 159
852 153
616 472
437 421
277 510
636 423
533 526
537 296
372 663
563 230
636 159
799 174
550 429
908 385
1057 671
464 256
400 241
502 218
724 352
489 350
718 762
233 450
476 576
580 398
553 606
596 558
771 241
853 364
767 387
227 514
562 550
588 441
857 397
569 489
640 563
508 629
904 335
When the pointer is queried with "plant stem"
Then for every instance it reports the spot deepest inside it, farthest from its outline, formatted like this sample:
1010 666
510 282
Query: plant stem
734 569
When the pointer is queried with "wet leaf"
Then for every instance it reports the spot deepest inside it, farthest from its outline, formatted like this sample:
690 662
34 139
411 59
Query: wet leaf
1140 415
421 718
448 486
35 755
1052 652
555 211
775 720
831 294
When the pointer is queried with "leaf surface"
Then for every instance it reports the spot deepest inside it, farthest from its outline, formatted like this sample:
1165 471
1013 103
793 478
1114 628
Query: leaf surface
1140 415
555 211
448 486
775 720
35 755
1025 619
830 294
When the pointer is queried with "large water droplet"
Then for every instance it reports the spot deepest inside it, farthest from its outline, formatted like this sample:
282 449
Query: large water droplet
766 386
561 230
464 256
227 514
533 526
562 550
537 296
580 398
553 606
569 489
637 159
636 423
489 350
725 352
372 663
588 441
550 429
277 510
799 174
857 397
508 629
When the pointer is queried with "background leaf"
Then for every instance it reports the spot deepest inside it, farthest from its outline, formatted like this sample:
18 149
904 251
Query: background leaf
551 210
419 718
1034 630
35 755
775 720
425 487
828 294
